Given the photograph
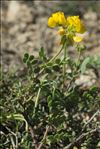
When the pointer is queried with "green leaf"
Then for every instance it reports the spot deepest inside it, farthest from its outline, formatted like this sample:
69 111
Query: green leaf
57 61
37 99
28 63
48 70
84 65
49 100
35 61
18 117
36 70
26 57
81 48
56 67
49 64
31 57
42 54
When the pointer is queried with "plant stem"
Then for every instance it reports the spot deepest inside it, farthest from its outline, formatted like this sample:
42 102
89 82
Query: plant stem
33 137
57 54
78 60
12 141
44 137
64 66
14 145
37 98
95 114
52 59
80 138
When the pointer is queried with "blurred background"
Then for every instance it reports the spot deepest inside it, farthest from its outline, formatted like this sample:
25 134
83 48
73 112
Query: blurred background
24 28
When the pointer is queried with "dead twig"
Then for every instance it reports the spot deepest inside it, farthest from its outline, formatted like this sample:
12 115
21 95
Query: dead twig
44 137
14 144
81 137
96 113
33 137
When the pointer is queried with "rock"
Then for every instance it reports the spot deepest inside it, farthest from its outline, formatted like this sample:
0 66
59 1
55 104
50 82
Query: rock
86 80
13 10
90 15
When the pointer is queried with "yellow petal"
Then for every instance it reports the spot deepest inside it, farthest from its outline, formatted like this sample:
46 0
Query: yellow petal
62 19
76 23
51 22
59 18
72 20
61 31
82 28
77 38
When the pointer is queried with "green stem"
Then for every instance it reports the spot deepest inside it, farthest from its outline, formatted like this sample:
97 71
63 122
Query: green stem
78 61
79 55
64 66
52 59
37 98
57 54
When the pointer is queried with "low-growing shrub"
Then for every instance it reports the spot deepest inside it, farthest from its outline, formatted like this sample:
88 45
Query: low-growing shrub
45 108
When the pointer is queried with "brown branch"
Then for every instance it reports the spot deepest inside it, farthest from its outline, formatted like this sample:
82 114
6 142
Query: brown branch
80 138
14 144
44 137
82 135
88 122
35 143
86 134
33 137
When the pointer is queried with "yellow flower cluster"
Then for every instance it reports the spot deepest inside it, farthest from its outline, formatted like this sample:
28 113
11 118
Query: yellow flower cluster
57 19
76 23
69 27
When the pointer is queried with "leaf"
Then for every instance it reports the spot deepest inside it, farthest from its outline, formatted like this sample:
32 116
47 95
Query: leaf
57 61
37 99
42 54
18 117
35 61
84 65
31 57
26 57
37 70
48 70
49 100
56 67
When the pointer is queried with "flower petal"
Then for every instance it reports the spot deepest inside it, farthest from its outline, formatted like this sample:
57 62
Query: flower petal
51 22
77 38
61 31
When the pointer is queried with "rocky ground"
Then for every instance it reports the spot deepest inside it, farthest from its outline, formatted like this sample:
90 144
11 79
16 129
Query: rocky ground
24 29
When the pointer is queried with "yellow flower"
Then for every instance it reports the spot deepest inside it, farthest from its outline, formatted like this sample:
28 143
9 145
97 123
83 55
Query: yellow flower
77 38
71 27
61 31
57 19
76 23
51 22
